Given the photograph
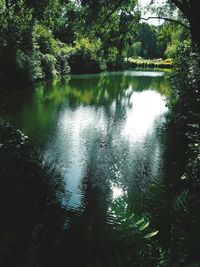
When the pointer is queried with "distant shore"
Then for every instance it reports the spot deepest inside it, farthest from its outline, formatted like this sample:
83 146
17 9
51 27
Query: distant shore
150 63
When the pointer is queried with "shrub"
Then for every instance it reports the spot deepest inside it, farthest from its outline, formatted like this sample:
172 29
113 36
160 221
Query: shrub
111 58
29 66
86 57
54 54
62 65
35 67
43 38
62 56
49 66
114 59
134 50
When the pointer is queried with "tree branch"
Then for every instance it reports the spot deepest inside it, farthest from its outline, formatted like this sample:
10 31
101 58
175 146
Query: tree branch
168 19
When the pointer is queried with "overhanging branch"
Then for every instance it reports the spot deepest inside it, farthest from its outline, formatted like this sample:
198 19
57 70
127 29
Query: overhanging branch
168 19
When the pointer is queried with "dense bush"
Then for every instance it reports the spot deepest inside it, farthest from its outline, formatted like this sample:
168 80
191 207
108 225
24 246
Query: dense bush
114 60
44 40
62 65
49 57
86 57
45 58
186 76
34 65
48 65
53 53
182 183
29 66
134 50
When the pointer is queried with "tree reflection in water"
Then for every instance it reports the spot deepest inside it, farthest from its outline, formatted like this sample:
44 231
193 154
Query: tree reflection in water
88 130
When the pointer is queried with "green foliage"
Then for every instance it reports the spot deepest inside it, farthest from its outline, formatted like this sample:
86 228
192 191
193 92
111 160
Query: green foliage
91 35
25 44
178 34
114 60
180 75
69 23
48 65
134 50
175 201
86 57
29 65
134 242
40 39
21 63
54 54
171 50
34 66
15 41
154 40
62 65
128 224
111 57
43 38
30 202
147 36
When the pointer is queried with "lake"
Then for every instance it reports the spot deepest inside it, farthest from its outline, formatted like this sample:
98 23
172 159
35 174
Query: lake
102 135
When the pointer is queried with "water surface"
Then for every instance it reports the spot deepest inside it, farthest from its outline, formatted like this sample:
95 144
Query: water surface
98 127
102 135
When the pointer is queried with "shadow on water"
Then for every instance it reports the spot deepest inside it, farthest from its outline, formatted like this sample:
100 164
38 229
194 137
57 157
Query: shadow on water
99 134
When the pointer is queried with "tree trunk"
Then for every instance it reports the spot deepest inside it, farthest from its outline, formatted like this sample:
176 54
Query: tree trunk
195 21
190 9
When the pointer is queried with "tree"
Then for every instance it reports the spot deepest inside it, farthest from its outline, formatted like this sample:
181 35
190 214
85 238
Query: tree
189 13
190 8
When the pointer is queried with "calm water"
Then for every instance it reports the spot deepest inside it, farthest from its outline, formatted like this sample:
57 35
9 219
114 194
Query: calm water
101 134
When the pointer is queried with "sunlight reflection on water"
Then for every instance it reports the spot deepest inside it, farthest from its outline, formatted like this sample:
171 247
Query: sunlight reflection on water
147 106
88 136
145 73
117 191
97 130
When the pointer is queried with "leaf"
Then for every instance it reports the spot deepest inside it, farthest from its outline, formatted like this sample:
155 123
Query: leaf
151 234
131 216
140 221
144 226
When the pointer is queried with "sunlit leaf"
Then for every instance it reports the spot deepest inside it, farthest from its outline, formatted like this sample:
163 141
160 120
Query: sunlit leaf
140 221
131 216
151 234
144 226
